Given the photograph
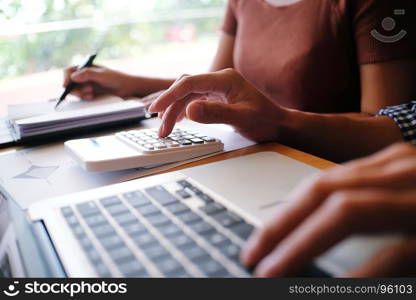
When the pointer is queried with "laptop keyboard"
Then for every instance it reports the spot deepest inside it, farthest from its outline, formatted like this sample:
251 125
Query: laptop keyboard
154 233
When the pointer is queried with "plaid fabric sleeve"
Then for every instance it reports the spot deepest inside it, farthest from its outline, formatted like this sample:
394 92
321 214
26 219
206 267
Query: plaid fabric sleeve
405 117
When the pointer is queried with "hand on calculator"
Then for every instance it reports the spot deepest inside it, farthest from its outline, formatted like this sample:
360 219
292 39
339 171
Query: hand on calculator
141 148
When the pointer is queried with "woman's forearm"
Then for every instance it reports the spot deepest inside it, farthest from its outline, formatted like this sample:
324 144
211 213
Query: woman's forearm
338 137
143 86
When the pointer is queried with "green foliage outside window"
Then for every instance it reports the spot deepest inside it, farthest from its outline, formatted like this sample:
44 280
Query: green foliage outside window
120 28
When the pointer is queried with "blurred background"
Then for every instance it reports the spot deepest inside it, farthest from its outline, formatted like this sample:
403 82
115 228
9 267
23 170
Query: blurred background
154 37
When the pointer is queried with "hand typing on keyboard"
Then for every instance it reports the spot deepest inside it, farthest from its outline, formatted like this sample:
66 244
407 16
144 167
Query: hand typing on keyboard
371 196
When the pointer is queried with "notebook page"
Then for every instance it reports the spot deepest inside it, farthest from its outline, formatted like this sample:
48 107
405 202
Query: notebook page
27 110
114 109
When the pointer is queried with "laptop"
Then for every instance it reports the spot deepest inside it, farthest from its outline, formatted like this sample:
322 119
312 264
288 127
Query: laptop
188 223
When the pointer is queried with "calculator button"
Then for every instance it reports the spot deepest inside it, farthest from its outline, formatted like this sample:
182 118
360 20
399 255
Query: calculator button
197 141
173 145
208 139
160 146
185 142
149 147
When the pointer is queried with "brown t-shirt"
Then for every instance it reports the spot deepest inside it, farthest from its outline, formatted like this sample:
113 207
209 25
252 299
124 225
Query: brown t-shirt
307 55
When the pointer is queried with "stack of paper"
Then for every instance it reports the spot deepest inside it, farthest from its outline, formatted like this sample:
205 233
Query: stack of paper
42 118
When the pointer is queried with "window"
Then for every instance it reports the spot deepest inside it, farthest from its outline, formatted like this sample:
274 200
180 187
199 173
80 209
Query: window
153 37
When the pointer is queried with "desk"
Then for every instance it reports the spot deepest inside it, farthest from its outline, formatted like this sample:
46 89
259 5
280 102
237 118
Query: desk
273 147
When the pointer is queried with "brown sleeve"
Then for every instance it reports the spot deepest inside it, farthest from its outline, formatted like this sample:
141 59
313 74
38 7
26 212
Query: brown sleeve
229 24
368 17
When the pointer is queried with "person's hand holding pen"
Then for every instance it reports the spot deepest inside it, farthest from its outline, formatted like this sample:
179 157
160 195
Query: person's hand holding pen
71 85
96 81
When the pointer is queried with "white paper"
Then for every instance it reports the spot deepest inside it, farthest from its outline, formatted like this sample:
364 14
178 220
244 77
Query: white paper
22 111
38 173
42 118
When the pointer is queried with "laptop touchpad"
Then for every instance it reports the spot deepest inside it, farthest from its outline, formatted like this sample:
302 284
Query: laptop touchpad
256 183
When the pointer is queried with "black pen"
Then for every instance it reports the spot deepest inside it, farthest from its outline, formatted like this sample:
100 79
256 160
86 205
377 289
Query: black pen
88 63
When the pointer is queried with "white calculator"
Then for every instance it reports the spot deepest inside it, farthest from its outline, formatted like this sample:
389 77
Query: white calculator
140 148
